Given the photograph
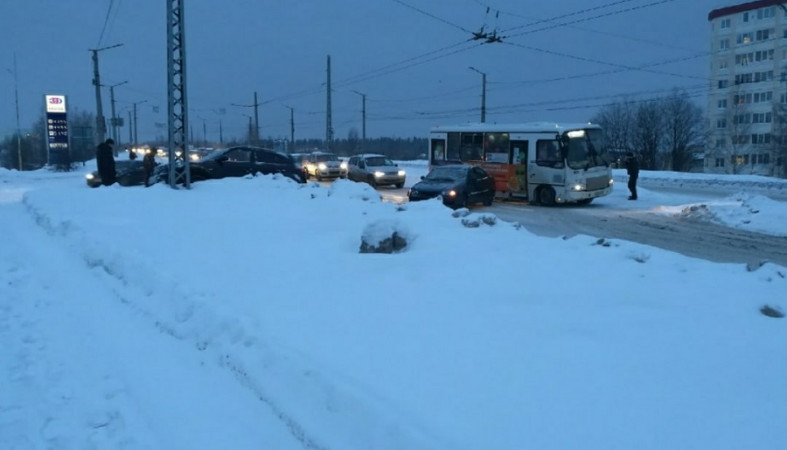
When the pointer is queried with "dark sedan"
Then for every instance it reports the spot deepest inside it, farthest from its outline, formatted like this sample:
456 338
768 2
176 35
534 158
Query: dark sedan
128 173
239 162
458 185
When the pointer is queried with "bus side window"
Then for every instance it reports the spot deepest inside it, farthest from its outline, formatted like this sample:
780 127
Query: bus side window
548 154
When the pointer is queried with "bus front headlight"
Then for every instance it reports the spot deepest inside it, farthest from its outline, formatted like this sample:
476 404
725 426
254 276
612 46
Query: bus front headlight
578 187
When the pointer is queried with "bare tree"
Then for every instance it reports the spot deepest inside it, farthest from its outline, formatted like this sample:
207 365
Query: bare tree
648 133
617 120
683 125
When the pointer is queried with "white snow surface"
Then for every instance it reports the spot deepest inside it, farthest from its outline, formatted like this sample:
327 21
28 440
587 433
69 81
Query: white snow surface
241 315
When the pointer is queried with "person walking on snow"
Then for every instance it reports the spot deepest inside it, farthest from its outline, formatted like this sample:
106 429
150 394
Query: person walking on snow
105 160
148 164
632 168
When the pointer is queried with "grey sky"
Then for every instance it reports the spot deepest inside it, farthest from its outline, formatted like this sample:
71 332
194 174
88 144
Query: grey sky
412 65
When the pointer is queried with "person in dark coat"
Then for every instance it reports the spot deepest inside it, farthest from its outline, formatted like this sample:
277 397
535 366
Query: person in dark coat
105 160
632 167
148 164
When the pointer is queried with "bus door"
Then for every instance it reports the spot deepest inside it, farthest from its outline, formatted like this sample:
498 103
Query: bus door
517 180
437 149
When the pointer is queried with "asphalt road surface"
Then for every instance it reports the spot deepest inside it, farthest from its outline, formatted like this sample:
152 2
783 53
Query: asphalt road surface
690 236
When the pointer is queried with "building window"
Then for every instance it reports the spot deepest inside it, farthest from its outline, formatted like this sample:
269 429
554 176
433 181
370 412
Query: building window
723 64
721 123
724 44
722 103
725 23
720 143
719 162
723 84
745 17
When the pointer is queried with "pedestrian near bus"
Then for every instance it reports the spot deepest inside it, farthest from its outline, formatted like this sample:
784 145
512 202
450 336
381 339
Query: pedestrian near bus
632 168
105 160
148 164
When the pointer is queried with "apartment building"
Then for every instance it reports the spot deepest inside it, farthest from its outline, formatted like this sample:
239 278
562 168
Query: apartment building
747 103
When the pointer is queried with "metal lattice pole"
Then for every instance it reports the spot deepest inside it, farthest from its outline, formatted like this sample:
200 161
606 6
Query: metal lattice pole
176 96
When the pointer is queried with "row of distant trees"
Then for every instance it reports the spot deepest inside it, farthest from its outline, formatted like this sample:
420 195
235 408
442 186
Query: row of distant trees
671 133
665 132
34 149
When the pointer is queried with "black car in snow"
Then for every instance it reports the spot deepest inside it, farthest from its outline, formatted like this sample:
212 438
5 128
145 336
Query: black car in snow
239 162
127 173
459 185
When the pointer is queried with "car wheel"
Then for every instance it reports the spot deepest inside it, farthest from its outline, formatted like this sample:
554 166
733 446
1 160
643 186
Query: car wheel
372 183
546 196
489 199
318 176
399 185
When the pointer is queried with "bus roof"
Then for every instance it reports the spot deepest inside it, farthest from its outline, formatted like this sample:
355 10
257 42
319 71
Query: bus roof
524 127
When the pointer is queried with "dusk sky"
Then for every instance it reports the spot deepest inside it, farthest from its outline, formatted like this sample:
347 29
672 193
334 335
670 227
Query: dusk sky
558 60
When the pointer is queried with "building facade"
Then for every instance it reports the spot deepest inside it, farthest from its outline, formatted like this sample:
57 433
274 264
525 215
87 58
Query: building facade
747 103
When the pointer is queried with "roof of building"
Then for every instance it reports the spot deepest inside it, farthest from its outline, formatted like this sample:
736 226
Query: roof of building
730 10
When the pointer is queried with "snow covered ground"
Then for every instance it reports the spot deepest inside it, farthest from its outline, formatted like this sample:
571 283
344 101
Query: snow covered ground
241 315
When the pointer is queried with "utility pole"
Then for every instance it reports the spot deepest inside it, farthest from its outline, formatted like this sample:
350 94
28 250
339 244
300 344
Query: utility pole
256 120
130 128
135 121
101 125
221 132
254 133
363 118
483 93
328 123
292 129
177 98
18 129
114 120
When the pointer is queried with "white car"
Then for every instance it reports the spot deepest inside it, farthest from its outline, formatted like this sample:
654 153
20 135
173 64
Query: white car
324 165
377 170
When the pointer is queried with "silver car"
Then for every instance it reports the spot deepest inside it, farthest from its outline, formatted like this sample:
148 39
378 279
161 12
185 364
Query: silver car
377 170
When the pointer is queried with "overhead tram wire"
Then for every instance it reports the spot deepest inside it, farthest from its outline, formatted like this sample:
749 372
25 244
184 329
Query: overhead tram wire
596 61
590 30
106 21
440 19
564 16
586 19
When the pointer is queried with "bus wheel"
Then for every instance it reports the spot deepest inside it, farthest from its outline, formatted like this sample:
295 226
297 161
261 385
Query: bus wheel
585 201
546 196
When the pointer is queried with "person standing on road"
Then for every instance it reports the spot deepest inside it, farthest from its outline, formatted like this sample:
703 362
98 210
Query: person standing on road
105 160
148 164
632 167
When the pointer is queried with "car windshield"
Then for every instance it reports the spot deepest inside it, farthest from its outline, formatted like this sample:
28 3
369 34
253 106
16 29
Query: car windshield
454 173
585 149
326 157
379 161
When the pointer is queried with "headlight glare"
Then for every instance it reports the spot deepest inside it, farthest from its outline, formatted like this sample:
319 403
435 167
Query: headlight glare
322 166
401 173
379 174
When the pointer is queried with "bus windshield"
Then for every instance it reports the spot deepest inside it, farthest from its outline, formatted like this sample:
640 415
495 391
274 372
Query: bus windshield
585 149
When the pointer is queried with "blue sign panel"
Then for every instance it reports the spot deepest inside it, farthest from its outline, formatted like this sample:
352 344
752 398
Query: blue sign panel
57 130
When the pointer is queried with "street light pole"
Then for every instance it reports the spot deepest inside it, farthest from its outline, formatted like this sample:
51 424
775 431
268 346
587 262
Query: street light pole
135 121
363 118
18 129
101 126
292 128
114 120
483 93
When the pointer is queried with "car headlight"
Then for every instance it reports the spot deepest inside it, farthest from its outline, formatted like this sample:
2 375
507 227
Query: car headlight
89 176
322 166
611 181
379 174
401 173
450 193
578 187
343 165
